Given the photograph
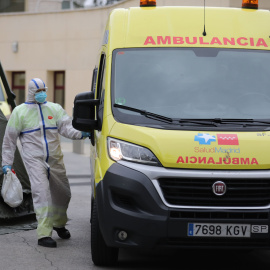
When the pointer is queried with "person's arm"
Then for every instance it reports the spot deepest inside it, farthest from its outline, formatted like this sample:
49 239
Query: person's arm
12 132
65 128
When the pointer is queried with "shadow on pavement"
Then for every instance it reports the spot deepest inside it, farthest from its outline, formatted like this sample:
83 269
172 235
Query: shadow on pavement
13 225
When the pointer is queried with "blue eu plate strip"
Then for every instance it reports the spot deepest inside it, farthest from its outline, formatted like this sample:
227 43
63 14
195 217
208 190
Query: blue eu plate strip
190 229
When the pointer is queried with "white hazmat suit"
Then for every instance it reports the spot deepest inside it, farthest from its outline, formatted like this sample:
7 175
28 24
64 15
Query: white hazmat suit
37 126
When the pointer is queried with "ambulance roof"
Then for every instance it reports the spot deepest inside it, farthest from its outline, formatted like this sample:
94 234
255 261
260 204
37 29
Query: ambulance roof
184 26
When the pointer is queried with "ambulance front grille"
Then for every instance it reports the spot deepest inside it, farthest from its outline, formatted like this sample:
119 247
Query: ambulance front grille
198 192
218 215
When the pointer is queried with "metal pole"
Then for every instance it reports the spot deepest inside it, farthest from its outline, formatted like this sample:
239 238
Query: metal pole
11 96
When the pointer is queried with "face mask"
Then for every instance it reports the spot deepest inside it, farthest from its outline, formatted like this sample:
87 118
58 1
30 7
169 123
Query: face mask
40 97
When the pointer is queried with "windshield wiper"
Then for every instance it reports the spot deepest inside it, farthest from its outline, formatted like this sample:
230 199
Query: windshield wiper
220 121
242 121
145 113
198 121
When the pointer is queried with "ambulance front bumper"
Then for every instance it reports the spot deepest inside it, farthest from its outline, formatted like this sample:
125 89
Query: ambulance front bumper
133 214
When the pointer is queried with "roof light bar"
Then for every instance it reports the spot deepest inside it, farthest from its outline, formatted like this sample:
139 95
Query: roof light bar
253 4
148 3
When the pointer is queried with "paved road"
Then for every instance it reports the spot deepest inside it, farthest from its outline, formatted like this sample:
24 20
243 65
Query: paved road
19 250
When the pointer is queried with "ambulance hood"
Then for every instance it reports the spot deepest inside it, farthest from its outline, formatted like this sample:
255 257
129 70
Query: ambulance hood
200 149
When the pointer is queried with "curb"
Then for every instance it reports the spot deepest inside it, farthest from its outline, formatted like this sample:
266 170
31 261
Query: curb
78 176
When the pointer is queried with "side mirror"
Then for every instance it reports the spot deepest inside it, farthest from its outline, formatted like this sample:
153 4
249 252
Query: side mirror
84 112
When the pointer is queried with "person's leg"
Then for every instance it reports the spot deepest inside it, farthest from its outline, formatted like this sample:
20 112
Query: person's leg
61 195
38 176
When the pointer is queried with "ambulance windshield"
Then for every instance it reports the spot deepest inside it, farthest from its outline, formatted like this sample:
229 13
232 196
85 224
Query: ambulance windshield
193 83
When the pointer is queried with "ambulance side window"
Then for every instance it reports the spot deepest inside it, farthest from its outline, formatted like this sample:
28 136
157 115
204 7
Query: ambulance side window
94 81
100 75
101 90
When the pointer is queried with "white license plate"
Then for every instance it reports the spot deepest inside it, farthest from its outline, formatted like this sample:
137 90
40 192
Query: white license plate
218 230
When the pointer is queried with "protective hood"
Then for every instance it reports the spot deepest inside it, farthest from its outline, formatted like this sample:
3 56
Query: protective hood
33 86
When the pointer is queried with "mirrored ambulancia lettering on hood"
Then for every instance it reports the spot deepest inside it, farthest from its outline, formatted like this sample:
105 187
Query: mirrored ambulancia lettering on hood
217 149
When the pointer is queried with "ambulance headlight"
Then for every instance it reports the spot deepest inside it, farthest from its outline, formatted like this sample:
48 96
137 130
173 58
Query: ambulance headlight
120 150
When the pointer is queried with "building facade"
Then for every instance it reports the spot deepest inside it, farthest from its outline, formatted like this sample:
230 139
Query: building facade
60 45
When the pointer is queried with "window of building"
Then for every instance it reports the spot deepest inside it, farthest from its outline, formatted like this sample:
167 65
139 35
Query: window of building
18 86
12 6
72 4
59 88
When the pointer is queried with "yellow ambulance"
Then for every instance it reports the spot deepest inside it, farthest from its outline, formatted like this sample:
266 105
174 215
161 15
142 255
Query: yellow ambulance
179 115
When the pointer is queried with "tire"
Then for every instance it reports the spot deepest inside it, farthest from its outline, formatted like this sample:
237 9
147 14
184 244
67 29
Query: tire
102 255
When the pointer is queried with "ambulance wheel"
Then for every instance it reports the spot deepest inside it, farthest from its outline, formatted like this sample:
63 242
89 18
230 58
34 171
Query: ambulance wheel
102 255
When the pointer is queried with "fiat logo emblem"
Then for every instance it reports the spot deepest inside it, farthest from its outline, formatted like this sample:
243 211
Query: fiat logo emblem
219 188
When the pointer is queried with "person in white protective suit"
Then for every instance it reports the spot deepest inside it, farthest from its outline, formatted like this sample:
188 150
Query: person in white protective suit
37 124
